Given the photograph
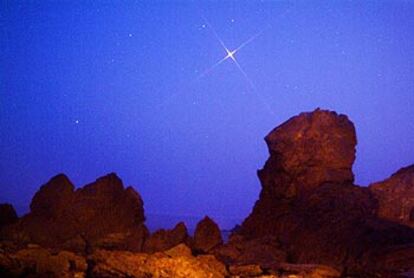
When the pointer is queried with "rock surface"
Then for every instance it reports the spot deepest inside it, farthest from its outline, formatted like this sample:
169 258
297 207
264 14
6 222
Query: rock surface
309 202
77 219
39 262
264 251
7 215
181 264
396 196
165 239
311 149
207 235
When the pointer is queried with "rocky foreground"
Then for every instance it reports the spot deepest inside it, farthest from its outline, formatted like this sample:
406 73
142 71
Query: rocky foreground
311 220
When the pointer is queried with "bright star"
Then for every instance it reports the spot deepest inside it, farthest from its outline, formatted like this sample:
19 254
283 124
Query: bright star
230 54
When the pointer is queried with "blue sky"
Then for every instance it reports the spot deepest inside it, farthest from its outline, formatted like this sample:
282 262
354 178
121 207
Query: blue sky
92 87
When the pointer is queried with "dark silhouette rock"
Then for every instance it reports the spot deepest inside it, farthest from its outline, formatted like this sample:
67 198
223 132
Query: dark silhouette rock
79 219
40 262
264 251
166 239
308 200
305 270
207 235
7 215
396 196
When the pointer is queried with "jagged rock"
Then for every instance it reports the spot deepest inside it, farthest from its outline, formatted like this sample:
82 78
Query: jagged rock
165 239
128 264
396 196
62 216
207 235
39 262
7 215
308 200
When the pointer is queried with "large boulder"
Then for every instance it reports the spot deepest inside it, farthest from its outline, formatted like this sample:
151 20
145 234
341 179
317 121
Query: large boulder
207 235
309 203
7 215
61 216
311 149
396 196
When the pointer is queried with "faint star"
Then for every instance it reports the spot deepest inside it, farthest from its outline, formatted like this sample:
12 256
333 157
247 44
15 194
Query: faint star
130 35
76 121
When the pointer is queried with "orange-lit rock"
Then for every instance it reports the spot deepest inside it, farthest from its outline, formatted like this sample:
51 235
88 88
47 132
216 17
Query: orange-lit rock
207 235
396 196
309 203
165 239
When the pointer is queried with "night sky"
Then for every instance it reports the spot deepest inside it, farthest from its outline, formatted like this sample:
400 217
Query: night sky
92 87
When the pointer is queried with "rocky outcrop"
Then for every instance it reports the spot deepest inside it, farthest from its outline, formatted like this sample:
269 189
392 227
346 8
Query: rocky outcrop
39 262
310 221
307 151
102 212
396 196
309 203
169 264
165 239
7 215
207 235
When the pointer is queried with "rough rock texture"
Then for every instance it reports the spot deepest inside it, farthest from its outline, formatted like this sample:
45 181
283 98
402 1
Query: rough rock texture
264 251
310 149
7 215
396 196
165 239
306 271
207 235
308 200
39 262
177 264
79 219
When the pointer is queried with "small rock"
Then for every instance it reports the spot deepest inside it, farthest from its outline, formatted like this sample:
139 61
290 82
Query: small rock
207 235
165 239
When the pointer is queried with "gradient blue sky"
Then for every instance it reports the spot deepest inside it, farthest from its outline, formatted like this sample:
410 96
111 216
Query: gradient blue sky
91 87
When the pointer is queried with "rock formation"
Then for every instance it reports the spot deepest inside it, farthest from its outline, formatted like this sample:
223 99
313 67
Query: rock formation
396 196
309 202
162 239
7 215
103 212
207 235
39 262
310 221
173 263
